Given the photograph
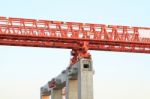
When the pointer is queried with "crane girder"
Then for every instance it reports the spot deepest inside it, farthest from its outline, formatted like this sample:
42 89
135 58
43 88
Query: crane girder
69 35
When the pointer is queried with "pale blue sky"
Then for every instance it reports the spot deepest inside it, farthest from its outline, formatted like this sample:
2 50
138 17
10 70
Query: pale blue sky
23 70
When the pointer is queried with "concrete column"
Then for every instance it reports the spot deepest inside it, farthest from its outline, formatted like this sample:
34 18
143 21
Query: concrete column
85 79
72 89
45 97
56 94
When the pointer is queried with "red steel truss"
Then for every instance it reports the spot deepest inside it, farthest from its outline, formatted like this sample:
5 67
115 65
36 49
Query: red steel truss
73 35
80 37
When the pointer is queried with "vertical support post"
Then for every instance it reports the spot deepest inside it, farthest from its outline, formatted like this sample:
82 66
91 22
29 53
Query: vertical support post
72 89
72 82
85 79
56 94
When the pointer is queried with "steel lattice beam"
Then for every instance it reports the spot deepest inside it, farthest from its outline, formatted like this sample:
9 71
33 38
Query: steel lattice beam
57 34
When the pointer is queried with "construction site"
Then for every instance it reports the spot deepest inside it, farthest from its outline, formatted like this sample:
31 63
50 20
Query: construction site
76 80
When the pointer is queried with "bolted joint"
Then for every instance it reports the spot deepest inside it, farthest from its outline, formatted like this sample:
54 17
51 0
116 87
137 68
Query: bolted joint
79 52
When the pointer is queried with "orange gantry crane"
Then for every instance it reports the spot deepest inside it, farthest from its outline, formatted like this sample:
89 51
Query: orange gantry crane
80 37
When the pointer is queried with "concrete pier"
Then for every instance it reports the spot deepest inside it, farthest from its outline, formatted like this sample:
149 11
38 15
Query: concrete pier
85 79
72 89
56 94
77 79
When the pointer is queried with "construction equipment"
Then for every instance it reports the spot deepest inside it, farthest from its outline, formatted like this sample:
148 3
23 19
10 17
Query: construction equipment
80 37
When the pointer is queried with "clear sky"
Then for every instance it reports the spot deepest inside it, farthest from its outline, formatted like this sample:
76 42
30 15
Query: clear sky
23 70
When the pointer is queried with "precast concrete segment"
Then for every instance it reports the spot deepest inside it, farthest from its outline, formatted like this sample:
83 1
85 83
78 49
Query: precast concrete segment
85 79
60 80
45 90
56 94
60 83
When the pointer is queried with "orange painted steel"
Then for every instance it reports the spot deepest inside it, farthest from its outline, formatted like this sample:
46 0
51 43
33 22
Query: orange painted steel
73 35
